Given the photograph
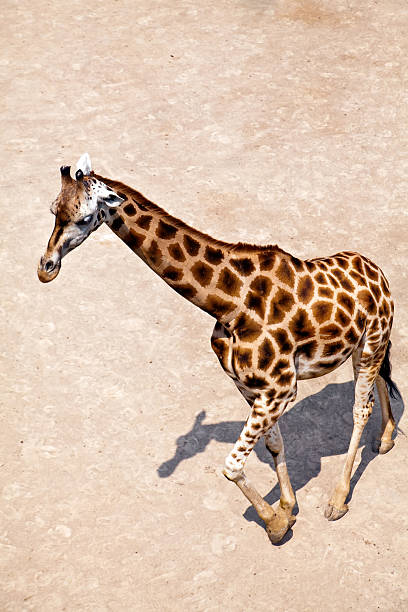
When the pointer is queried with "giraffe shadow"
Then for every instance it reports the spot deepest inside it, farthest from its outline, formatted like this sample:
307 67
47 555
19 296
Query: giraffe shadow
318 426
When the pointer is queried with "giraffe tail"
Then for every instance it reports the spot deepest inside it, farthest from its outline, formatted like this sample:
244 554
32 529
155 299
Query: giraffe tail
385 373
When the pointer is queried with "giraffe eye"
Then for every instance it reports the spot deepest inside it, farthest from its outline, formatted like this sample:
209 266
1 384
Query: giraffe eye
85 220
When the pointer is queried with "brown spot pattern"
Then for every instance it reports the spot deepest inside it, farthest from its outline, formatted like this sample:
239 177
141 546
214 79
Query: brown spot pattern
342 262
375 290
333 281
130 210
247 329
117 223
176 252
322 311
357 277
172 273
308 349
360 321
213 256
187 291
323 265
261 285
154 253
219 347
374 326
243 358
325 292
342 318
301 326
218 307
202 273
165 230
332 348
281 364
285 273
330 331
358 265
139 204
297 264
255 382
344 282
192 246
144 221
285 379
384 310
346 301
266 354
321 279
352 336
305 289
255 302
229 282
243 265
367 301
384 287
311 266
283 341
267 260
133 239
371 272
282 303
326 365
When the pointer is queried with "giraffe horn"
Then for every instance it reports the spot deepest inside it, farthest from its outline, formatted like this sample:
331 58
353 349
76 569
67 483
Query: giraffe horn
65 174
65 170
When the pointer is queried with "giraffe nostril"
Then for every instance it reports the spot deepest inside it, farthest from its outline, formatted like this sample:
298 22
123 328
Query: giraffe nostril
48 269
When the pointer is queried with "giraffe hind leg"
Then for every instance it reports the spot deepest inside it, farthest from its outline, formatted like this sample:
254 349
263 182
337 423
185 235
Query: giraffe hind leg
383 442
337 507
366 368
274 443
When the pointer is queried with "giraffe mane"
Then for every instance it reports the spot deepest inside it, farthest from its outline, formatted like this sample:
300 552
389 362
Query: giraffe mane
139 198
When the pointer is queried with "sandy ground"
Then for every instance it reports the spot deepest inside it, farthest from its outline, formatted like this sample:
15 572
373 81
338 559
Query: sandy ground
252 120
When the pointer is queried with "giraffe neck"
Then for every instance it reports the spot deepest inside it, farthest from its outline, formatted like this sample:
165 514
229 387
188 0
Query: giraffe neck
213 275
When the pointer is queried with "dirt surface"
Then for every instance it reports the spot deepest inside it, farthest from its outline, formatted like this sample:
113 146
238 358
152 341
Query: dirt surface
252 120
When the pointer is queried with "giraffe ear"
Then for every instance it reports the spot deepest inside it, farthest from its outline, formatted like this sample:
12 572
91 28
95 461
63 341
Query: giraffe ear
107 196
84 164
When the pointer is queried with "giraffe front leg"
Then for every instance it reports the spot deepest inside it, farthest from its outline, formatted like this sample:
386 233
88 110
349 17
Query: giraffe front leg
262 417
277 522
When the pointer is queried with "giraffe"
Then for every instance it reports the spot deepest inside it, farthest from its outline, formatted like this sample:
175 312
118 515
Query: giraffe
279 319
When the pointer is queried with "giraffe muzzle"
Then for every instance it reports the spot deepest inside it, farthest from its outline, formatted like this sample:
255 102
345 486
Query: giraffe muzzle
48 269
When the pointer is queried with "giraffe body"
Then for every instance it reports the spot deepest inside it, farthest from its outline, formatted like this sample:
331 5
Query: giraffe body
278 319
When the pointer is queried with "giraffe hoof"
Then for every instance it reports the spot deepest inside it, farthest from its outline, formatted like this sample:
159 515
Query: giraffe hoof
275 534
334 514
382 447
292 521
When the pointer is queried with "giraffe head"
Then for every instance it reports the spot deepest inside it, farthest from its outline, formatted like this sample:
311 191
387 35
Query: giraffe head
79 210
